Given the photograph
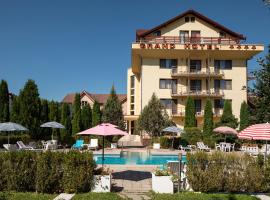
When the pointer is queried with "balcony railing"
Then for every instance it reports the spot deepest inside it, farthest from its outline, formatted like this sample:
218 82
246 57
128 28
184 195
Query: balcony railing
197 93
181 113
188 40
188 73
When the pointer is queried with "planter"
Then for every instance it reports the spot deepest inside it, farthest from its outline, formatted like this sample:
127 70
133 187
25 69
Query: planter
162 184
102 183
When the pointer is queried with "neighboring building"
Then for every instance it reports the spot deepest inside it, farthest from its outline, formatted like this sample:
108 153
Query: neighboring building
90 98
189 55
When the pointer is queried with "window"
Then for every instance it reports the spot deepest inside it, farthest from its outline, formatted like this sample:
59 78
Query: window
218 103
195 85
167 103
132 107
222 34
186 19
198 105
132 112
192 19
165 83
195 65
157 33
132 92
227 84
83 103
132 99
132 81
223 64
167 63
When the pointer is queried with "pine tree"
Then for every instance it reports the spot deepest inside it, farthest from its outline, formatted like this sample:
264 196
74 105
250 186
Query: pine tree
86 117
262 90
4 102
113 112
76 116
227 118
208 119
44 117
54 116
153 117
244 116
190 118
30 108
66 121
15 110
96 114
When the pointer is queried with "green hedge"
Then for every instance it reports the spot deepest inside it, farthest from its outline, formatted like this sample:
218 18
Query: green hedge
48 172
13 139
227 172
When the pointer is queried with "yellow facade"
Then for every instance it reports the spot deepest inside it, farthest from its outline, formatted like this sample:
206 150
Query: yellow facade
206 50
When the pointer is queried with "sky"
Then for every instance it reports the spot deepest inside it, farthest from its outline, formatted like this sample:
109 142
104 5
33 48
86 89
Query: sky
74 45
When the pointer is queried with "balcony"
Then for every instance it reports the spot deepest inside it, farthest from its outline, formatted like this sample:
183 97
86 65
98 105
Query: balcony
197 93
197 73
181 113
187 40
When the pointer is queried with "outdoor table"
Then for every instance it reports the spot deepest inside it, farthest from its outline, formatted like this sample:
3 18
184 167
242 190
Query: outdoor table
225 146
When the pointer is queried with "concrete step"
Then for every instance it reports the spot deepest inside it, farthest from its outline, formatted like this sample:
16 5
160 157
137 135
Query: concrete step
64 196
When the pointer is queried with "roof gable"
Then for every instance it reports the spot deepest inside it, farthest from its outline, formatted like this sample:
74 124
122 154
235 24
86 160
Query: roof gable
143 32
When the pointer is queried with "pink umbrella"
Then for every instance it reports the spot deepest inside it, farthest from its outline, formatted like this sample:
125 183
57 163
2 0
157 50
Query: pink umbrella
226 130
256 132
105 129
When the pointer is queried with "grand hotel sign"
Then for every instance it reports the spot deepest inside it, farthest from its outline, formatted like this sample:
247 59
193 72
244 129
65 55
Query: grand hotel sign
195 46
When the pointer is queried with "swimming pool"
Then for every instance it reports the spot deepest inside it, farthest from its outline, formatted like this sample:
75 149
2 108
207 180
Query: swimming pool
136 158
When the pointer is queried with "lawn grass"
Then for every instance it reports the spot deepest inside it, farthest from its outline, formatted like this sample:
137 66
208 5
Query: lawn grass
201 196
25 196
97 196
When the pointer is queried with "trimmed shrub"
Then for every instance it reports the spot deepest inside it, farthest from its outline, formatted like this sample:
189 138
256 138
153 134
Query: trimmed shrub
78 172
192 135
226 172
14 138
165 142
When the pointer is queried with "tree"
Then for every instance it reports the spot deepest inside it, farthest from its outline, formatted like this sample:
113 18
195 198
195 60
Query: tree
96 114
66 133
76 120
112 112
227 118
208 119
244 116
44 117
4 102
190 118
262 91
86 117
30 107
54 116
15 110
153 117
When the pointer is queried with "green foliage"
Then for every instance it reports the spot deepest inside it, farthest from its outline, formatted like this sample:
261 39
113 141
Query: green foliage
50 172
190 118
13 138
192 135
86 117
244 116
54 115
26 196
30 108
96 196
208 119
226 172
165 142
66 121
262 90
153 117
76 120
227 118
15 111
112 112
96 114
78 172
4 102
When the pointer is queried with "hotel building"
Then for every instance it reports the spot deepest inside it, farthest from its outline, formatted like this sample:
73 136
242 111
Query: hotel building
189 55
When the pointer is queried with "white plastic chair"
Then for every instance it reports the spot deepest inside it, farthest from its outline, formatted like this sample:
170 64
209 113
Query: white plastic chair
22 146
93 144
202 147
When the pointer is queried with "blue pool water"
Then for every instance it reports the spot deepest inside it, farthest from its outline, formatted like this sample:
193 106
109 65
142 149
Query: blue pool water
136 158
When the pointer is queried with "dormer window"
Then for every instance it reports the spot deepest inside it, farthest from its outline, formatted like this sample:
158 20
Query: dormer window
222 34
157 33
192 19
186 19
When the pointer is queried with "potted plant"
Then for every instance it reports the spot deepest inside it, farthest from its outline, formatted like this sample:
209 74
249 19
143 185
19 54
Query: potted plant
102 180
162 181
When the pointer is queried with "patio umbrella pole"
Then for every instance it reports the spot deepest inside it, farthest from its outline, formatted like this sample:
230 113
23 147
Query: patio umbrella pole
265 151
103 150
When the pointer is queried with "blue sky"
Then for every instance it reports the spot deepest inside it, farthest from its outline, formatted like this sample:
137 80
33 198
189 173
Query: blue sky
74 45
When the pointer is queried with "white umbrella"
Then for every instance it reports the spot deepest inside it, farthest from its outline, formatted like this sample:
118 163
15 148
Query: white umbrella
173 129
52 125
10 126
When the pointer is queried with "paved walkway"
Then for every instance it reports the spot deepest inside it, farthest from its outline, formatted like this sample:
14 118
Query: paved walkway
64 196
262 196
133 182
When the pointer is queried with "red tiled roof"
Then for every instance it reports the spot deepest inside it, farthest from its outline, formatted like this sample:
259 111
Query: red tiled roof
100 98
143 33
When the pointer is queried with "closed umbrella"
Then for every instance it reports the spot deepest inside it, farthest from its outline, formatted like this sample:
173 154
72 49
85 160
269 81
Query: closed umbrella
52 125
256 132
10 126
105 129
173 129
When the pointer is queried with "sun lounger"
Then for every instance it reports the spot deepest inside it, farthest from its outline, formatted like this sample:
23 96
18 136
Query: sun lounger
22 146
93 144
187 148
252 150
78 145
202 147
11 147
